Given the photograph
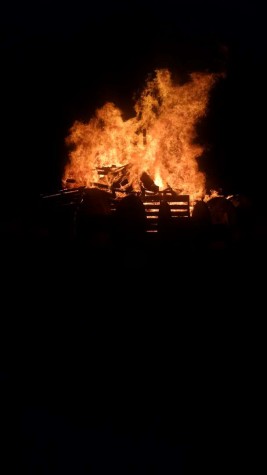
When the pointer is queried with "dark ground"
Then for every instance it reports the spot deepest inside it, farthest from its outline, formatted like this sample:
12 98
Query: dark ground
147 357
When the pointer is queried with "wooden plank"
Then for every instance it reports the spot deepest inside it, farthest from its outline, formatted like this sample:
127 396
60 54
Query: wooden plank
182 198
178 212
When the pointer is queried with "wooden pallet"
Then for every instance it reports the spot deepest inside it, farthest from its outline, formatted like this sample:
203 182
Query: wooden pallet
179 207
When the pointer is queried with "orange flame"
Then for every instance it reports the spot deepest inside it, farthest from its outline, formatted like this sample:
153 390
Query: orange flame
159 140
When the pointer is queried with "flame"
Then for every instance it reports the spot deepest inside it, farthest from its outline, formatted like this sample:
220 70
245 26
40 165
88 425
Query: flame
158 180
159 140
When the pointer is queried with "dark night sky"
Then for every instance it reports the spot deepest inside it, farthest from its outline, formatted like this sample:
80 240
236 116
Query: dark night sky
60 60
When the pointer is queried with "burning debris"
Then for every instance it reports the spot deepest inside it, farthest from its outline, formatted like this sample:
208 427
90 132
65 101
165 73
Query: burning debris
144 170
154 151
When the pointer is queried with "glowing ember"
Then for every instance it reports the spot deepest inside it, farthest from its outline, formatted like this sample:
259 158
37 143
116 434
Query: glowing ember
158 141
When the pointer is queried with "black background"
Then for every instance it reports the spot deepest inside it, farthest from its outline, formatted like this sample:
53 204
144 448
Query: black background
94 363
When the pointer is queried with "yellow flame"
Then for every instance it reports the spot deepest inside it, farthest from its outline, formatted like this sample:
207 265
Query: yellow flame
158 180
160 140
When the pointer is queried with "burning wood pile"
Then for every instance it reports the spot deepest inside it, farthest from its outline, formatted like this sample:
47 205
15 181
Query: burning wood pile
152 155
93 212
155 150
145 165
158 204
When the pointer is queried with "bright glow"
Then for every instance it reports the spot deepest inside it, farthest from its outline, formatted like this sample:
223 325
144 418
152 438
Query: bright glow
160 140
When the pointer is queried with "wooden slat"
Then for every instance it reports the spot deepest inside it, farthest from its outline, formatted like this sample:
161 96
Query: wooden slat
182 198
180 212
